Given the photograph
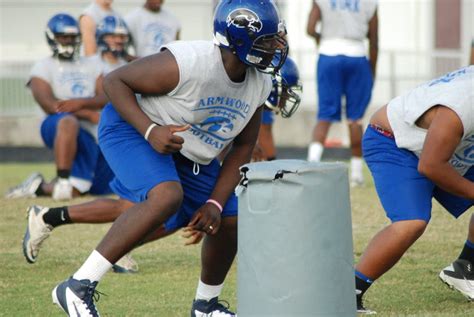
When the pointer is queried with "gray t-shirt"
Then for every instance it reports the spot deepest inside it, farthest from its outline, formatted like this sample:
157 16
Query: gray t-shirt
454 90
71 79
217 108
346 19
151 30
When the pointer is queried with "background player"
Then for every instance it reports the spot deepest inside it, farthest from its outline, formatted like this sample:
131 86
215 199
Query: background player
69 89
203 96
151 26
343 70
284 99
420 146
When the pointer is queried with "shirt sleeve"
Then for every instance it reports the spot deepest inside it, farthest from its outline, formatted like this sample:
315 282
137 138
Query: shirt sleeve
41 69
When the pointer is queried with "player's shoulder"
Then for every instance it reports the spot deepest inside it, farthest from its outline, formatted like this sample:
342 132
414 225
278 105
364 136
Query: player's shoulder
45 61
134 14
197 47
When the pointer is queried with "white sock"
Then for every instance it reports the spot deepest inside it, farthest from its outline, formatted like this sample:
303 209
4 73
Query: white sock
315 151
356 168
94 268
207 292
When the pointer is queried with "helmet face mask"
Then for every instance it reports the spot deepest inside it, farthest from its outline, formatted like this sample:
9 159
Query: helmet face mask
63 37
285 97
253 31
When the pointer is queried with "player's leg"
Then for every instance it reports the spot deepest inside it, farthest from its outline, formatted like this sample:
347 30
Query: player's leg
406 197
152 179
329 94
358 83
460 274
42 220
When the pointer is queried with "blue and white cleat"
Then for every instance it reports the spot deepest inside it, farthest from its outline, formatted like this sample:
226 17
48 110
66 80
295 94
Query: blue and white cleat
76 298
27 189
211 308
460 276
36 232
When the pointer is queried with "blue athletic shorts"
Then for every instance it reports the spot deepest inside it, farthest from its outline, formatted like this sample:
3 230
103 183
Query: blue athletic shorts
138 168
342 75
405 194
89 164
268 117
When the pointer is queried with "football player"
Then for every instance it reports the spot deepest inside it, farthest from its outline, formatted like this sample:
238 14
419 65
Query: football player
284 100
418 147
151 26
69 90
197 97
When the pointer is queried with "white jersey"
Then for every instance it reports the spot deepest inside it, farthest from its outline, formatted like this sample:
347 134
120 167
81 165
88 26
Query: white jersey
217 108
454 90
150 30
344 26
97 13
70 79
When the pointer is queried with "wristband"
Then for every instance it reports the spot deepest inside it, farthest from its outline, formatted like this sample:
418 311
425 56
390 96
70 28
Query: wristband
215 203
148 131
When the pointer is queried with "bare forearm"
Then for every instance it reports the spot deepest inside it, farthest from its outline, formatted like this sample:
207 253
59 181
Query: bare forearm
448 179
124 101
94 103
230 175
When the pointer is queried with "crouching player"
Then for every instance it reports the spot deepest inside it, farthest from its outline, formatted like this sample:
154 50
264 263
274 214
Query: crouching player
418 147
285 99
197 97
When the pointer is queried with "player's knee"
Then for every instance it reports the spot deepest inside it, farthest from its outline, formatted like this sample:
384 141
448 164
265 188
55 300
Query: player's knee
166 196
413 228
68 124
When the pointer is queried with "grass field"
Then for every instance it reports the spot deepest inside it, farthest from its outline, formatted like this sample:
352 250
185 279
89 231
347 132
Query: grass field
169 272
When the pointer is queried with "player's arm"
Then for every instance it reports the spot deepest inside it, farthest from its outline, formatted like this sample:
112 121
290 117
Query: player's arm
207 218
156 74
96 102
444 135
314 17
43 94
373 36
87 27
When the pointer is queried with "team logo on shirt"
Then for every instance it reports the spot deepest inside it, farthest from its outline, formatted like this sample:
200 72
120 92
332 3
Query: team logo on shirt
245 19
78 89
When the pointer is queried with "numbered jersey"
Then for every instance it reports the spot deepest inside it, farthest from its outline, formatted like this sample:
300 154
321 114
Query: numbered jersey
151 30
454 90
216 108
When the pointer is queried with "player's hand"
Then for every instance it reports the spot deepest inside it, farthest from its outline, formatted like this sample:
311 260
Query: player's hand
71 105
258 154
164 140
206 219
191 236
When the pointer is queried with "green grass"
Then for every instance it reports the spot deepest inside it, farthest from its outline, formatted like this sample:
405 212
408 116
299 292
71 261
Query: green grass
169 271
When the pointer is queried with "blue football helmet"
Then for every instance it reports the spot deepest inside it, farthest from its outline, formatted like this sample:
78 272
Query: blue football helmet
112 25
63 24
253 31
285 96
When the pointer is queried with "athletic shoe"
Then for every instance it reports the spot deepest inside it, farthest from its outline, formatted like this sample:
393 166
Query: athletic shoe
460 276
76 298
36 232
360 306
62 189
27 189
125 265
211 308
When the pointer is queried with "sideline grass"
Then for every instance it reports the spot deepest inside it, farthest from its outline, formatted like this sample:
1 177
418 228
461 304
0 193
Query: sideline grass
169 271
